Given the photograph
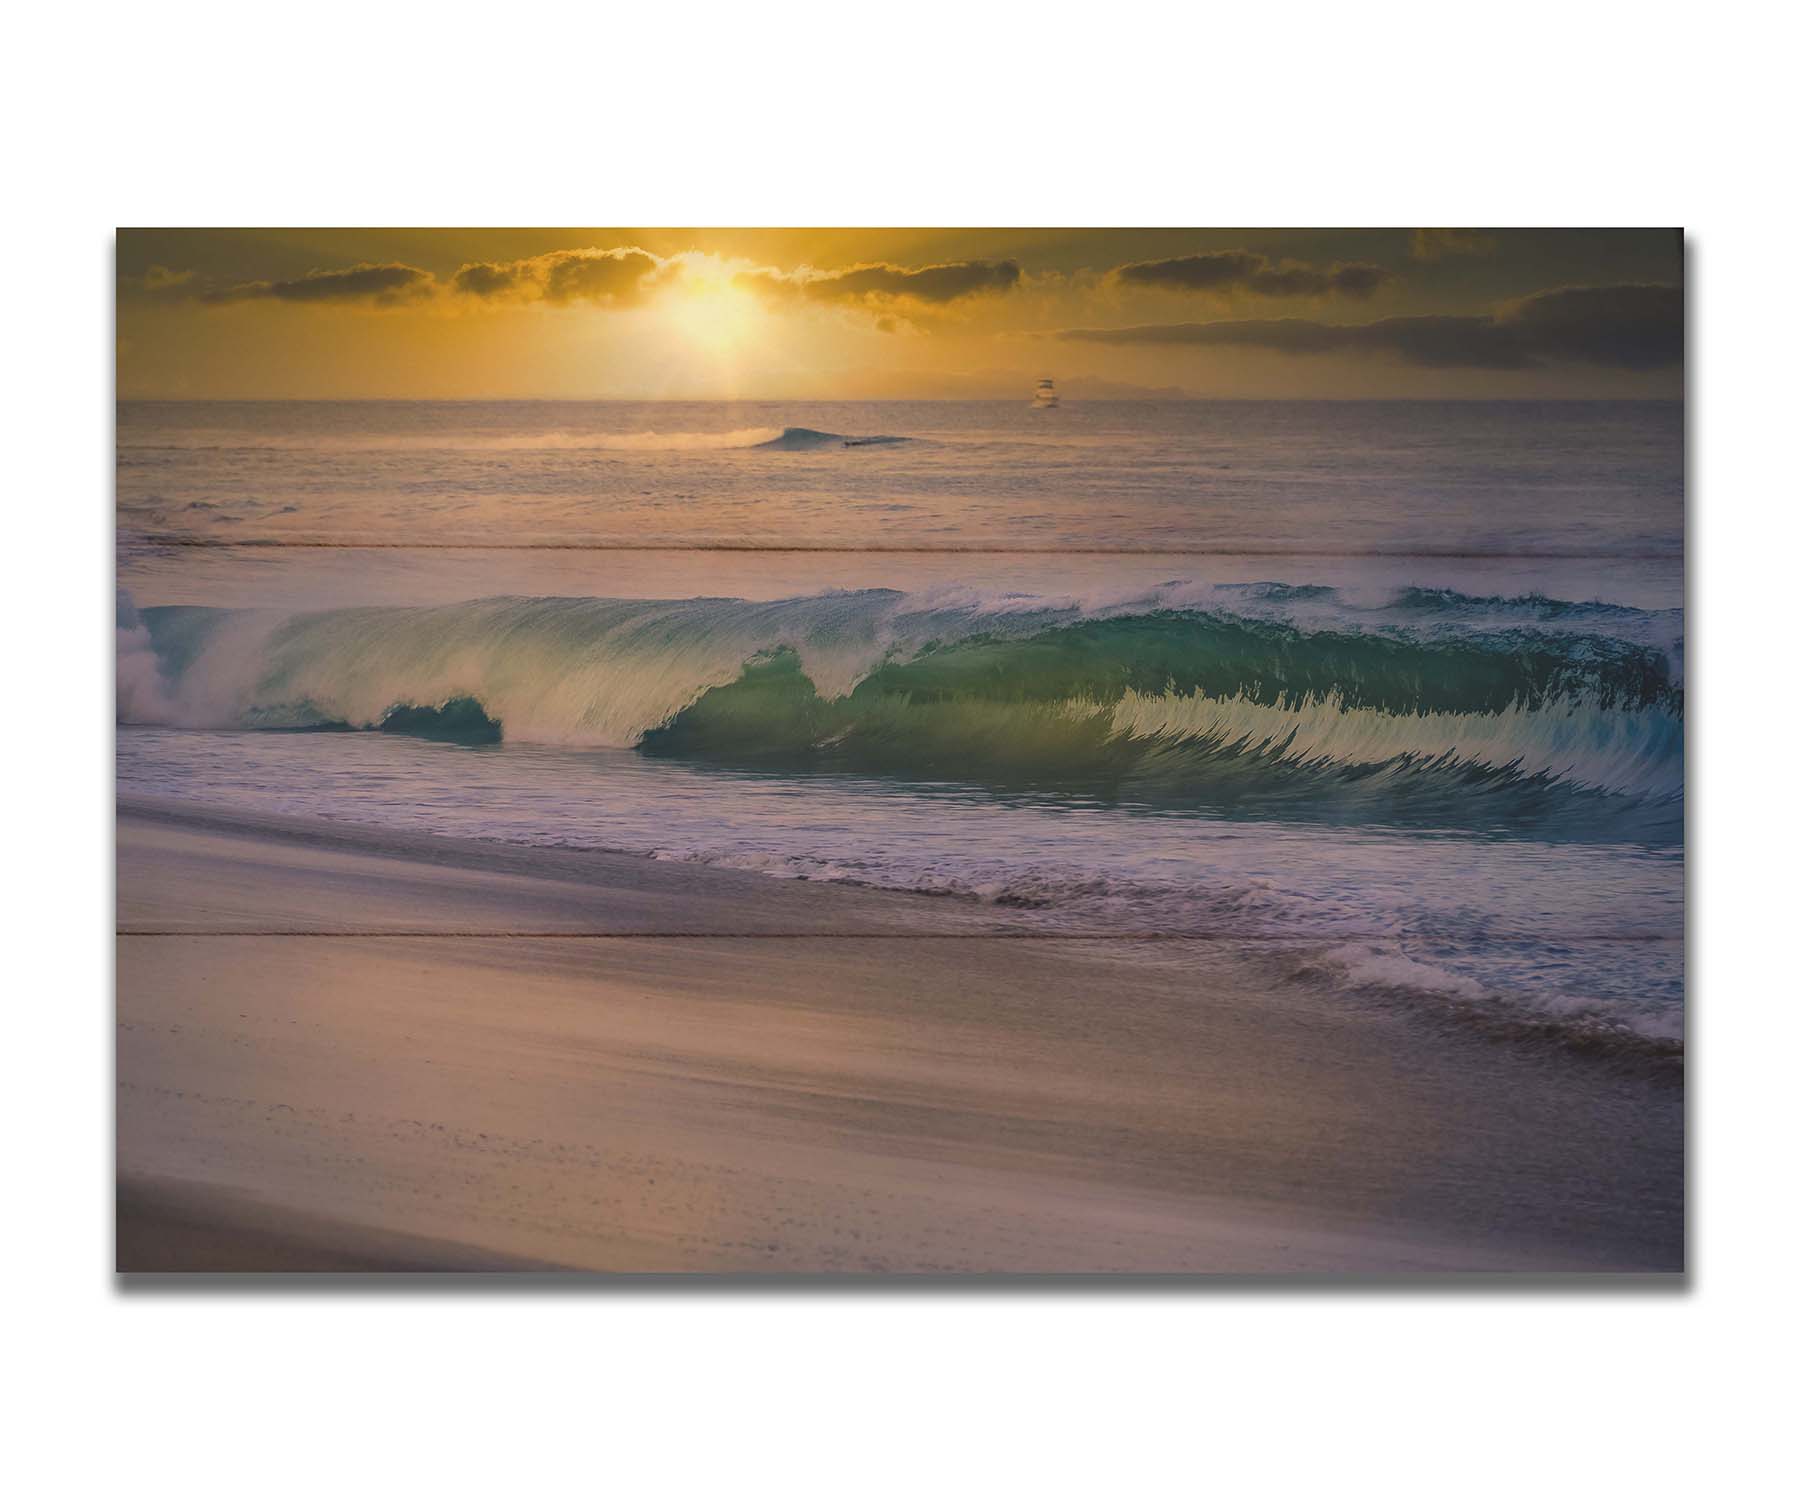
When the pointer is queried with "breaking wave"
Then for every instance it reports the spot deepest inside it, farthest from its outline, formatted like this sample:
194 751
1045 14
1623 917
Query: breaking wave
780 439
1429 708
800 439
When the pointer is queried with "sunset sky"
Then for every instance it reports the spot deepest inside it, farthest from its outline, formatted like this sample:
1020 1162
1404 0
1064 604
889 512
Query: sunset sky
897 313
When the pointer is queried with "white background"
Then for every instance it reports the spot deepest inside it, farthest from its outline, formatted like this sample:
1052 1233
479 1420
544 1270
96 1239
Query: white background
805 114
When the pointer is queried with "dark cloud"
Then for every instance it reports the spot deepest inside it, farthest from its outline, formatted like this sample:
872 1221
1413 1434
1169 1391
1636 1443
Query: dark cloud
1626 327
1219 271
384 284
1435 244
1359 279
616 277
486 279
611 276
881 283
1636 327
1226 272
160 281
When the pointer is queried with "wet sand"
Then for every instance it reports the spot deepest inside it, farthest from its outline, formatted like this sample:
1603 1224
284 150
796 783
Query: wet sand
598 1062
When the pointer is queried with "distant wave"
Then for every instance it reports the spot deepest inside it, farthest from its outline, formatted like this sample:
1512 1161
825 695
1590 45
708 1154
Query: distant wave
802 439
779 439
1448 708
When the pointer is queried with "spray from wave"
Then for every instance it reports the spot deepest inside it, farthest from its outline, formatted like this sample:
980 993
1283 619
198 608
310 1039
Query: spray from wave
143 694
774 439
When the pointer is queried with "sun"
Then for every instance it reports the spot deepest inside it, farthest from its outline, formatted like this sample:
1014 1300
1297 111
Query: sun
707 308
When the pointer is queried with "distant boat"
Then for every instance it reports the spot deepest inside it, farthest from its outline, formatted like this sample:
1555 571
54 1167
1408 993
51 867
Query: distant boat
1045 394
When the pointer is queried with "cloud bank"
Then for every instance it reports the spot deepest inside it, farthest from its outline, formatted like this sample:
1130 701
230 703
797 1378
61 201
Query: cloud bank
1246 272
623 276
882 284
1633 327
618 277
386 284
1435 244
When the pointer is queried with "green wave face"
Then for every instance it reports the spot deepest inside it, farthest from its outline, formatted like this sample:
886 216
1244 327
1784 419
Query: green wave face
1201 653
1198 712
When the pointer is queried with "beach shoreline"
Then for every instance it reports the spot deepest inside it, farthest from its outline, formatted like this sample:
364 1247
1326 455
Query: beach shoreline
459 1055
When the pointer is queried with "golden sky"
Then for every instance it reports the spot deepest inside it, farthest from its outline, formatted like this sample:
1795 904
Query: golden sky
814 314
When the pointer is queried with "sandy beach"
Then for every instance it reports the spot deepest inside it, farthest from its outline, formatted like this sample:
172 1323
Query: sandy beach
597 1062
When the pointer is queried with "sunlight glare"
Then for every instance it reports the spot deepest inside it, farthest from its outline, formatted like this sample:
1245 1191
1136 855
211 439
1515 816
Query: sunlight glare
708 309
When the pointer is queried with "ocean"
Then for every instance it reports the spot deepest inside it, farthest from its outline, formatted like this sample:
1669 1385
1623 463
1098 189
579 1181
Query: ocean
1392 691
